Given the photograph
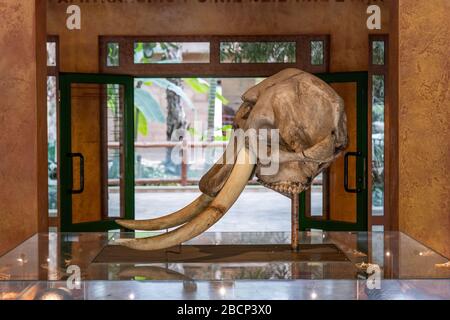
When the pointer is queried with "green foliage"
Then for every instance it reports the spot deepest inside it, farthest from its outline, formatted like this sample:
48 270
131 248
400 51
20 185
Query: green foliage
257 52
113 54
51 151
221 138
378 52
316 53
378 112
142 124
203 137
112 94
150 110
154 171
201 86
197 85
378 92
377 196
148 106
166 84
157 52
378 108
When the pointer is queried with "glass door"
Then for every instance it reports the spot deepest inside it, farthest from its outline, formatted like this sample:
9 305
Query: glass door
96 151
337 200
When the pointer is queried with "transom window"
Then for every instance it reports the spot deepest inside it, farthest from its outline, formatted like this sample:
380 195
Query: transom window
257 56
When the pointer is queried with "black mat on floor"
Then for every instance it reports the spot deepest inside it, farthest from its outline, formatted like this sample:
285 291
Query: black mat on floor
222 253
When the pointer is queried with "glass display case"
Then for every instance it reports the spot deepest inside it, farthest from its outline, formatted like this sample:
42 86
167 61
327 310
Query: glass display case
328 265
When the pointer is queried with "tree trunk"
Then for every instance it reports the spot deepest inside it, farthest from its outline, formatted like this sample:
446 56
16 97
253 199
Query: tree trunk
211 108
176 123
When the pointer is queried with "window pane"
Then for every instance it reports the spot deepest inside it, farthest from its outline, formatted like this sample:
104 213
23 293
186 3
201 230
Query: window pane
203 109
51 138
378 52
317 52
51 54
317 196
377 228
378 244
377 144
257 52
171 52
112 59
114 131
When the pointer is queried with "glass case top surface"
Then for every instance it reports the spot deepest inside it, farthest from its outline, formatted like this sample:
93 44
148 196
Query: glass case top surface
393 255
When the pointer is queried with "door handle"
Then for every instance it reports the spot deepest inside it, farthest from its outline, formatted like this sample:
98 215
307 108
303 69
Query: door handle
81 188
355 154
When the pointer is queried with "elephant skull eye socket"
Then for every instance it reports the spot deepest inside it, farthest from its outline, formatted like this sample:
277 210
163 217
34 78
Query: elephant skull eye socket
244 110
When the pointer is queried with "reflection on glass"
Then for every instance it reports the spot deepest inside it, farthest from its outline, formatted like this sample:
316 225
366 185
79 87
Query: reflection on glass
115 147
377 228
203 109
257 52
51 54
317 52
51 140
151 166
171 52
378 52
200 110
378 244
414 260
112 59
200 160
317 196
377 144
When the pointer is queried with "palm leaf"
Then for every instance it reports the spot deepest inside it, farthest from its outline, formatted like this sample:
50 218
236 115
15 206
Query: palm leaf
142 124
197 85
201 86
222 99
149 107
166 84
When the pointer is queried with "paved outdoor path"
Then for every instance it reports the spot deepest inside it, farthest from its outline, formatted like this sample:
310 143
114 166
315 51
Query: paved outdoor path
257 209
253 211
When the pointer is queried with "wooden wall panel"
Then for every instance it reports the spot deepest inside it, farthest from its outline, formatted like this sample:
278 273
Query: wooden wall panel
86 139
342 203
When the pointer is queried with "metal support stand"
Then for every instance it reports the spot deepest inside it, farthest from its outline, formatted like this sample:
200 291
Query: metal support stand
295 205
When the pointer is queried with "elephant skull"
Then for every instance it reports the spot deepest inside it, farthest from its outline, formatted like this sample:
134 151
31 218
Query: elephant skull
300 121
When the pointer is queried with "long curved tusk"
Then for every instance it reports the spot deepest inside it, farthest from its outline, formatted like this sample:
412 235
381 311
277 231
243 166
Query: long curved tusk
171 220
230 192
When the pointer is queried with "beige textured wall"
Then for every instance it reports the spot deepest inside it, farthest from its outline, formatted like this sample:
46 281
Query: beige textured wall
424 122
23 164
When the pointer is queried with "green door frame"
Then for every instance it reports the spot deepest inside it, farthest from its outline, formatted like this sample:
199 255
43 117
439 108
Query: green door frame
65 186
361 80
